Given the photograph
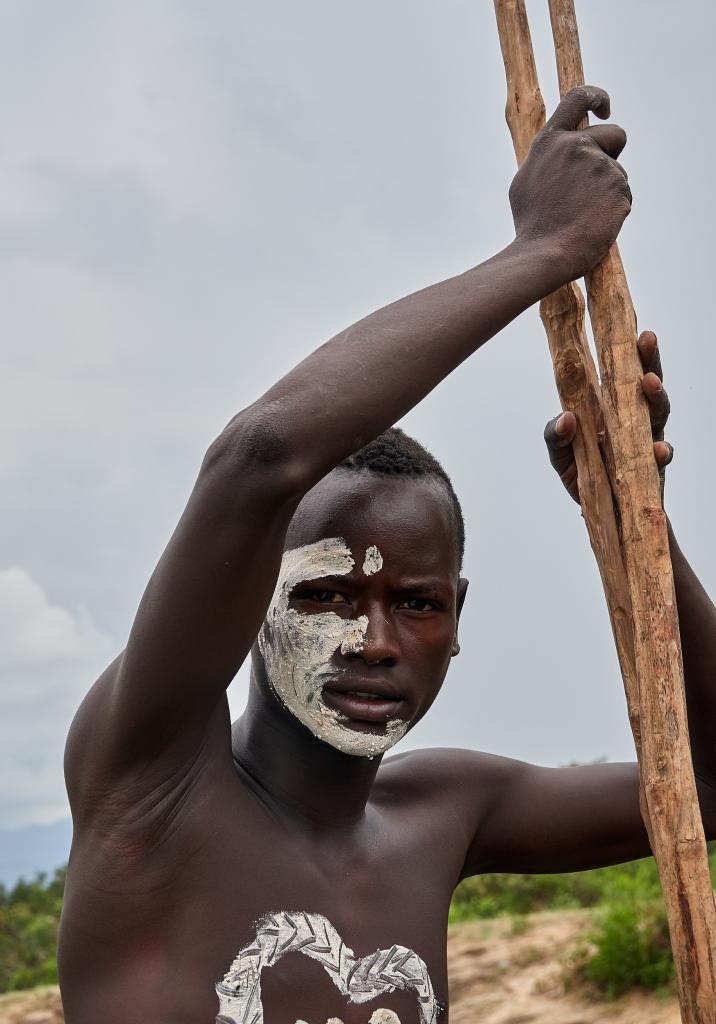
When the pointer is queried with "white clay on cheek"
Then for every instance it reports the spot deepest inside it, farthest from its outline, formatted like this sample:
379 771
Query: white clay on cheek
373 562
298 650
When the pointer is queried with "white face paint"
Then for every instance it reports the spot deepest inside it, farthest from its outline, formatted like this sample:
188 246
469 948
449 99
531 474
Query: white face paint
298 650
312 935
373 562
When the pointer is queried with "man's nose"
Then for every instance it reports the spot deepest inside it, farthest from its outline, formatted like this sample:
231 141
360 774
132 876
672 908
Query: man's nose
380 643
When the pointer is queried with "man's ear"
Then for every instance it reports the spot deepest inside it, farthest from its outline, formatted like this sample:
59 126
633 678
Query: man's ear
462 586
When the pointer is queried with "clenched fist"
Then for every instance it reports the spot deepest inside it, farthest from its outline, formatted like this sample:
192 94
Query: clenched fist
570 194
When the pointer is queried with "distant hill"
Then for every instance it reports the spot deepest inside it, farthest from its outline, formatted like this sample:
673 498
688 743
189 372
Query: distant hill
25 851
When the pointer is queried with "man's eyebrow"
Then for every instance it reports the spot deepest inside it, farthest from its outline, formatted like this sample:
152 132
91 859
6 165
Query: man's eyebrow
419 584
335 581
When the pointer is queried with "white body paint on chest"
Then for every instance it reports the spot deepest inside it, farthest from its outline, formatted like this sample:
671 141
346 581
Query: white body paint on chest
298 650
312 935
373 562
379 1017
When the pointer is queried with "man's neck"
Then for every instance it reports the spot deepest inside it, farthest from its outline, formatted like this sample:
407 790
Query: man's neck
295 772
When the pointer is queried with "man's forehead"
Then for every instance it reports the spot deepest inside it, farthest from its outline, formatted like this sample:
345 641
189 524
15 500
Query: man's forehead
405 517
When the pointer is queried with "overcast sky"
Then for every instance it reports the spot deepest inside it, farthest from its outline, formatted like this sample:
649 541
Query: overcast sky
193 196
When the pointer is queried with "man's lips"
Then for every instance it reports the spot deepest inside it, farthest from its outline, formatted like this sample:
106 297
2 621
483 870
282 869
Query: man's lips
365 701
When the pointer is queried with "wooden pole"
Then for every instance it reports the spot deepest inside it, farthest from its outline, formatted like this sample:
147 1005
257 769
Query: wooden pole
616 466
677 834
562 313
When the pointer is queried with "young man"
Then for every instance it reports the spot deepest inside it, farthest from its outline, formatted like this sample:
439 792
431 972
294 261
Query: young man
278 869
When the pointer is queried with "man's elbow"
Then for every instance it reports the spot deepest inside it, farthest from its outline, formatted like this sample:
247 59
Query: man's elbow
255 450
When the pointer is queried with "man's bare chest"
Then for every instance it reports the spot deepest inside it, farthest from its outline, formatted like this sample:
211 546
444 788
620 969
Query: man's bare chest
311 930
261 922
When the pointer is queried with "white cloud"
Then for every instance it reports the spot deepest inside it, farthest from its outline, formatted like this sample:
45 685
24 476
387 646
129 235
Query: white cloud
49 655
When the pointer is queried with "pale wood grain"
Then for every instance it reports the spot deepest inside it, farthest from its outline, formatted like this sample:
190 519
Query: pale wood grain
676 830
575 374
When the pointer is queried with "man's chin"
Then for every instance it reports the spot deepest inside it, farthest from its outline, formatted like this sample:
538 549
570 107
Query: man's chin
360 738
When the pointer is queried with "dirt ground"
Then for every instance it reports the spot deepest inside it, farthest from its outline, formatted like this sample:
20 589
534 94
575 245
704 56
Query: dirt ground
41 1006
499 974
498 977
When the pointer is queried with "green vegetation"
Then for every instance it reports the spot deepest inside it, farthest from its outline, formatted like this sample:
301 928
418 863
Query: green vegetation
631 936
29 917
495 895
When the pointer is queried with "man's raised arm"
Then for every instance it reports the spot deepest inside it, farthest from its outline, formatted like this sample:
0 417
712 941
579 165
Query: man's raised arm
206 600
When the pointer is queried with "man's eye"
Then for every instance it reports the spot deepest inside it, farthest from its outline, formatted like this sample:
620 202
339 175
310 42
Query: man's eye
417 604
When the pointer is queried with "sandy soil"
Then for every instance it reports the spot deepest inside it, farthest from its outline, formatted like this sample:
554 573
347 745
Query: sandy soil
496 977
41 1006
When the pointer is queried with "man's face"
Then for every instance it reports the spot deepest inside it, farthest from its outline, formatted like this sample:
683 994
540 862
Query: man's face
362 626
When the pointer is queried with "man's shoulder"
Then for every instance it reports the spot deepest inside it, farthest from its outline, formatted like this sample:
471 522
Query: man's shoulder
439 771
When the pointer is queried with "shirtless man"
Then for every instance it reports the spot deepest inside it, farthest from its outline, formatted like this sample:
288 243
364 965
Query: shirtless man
279 869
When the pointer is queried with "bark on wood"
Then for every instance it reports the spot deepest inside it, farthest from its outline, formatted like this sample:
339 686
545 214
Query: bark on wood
575 374
615 460
676 833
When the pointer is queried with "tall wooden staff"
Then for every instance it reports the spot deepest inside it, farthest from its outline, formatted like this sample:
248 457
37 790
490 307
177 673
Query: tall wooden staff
621 501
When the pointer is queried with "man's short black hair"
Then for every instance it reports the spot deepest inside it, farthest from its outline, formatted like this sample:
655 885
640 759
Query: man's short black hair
394 453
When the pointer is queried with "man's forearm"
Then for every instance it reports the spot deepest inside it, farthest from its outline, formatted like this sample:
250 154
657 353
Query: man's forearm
368 376
568 203
697 625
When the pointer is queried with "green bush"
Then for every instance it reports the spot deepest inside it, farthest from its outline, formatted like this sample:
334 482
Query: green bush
494 895
631 936
29 918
